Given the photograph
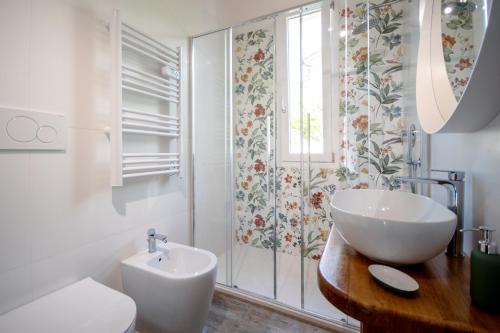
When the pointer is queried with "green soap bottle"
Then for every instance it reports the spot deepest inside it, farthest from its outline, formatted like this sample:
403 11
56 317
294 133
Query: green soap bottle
485 273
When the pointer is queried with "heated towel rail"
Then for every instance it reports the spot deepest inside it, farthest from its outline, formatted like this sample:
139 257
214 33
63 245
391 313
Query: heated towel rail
161 84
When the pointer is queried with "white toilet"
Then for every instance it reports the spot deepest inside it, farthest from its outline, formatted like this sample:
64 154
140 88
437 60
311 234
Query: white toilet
83 307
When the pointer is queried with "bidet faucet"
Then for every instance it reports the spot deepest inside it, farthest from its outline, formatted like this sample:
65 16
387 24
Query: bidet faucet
455 186
152 237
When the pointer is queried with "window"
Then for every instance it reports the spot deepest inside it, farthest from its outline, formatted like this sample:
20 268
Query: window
314 86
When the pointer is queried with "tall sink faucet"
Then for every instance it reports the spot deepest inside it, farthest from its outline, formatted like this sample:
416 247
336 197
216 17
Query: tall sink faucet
152 237
455 186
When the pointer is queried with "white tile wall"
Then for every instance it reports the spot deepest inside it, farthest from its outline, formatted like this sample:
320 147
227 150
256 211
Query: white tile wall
478 154
14 41
60 221
15 232
15 288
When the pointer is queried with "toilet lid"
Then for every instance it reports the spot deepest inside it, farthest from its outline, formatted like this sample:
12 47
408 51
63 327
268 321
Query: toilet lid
83 307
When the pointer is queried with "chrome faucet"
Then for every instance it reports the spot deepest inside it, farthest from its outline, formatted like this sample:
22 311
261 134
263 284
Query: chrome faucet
455 186
152 237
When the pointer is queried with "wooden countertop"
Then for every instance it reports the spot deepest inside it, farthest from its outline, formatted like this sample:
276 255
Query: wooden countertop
442 304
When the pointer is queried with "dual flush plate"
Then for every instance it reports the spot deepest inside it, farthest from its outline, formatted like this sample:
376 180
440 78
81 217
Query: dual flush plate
23 129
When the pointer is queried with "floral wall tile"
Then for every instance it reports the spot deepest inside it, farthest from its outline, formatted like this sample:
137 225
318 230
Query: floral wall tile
458 48
372 90
253 107
269 198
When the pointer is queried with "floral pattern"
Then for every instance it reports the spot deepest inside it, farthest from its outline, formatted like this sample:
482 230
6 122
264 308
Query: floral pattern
315 194
372 116
371 87
253 106
458 48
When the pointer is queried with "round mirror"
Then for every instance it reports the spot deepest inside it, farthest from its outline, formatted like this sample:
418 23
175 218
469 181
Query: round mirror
457 70
463 24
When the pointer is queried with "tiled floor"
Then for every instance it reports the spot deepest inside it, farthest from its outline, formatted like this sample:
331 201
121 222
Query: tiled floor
232 315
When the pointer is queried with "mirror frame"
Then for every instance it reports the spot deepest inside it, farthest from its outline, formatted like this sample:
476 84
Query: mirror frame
437 108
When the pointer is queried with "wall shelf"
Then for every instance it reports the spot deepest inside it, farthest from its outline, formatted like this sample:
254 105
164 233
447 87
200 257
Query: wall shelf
161 86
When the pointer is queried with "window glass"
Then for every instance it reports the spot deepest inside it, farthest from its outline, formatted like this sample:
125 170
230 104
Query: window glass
312 75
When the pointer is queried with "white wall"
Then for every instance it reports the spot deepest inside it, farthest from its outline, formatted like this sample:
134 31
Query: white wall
163 18
60 221
231 12
478 154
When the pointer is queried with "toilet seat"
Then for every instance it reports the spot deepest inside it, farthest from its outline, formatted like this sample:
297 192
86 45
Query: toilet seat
83 307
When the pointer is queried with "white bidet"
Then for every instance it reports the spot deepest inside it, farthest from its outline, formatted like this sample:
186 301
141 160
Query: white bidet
172 287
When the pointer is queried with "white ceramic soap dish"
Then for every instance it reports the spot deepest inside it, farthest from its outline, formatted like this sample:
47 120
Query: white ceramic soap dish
393 279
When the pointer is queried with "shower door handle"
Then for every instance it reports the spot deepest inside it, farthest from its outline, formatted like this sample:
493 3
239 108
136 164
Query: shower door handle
268 136
308 156
283 105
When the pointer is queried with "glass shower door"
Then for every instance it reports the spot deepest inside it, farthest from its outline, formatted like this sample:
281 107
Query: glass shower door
266 123
305 174
319 126
254 222
213 191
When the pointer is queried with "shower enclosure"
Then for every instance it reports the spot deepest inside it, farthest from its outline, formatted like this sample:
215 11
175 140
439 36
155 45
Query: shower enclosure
287 109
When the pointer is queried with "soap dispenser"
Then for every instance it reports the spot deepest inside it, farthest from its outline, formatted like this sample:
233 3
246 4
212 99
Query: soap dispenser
485 272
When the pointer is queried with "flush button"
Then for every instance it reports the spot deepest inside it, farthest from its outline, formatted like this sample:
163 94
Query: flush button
26 129
22 129
46 134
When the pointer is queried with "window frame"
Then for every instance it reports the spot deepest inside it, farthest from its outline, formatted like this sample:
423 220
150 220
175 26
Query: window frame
330 95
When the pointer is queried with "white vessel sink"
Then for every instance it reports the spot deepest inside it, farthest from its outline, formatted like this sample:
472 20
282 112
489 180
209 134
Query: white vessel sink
393 226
